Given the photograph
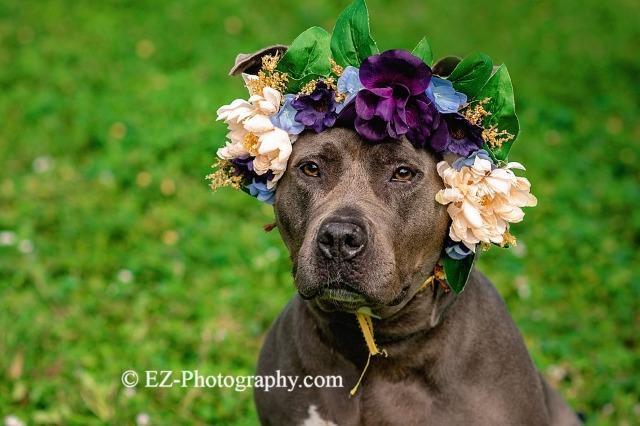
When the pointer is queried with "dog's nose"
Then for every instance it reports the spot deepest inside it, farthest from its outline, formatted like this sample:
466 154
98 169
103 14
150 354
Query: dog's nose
341 240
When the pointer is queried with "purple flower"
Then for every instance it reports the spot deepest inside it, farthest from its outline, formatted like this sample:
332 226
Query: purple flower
463 139
244 167
316 110
393 102
432 129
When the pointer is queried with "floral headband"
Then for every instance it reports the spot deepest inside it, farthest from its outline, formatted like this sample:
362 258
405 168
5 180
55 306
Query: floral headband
461 107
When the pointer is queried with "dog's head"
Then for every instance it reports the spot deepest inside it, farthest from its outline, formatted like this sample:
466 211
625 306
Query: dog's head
360 219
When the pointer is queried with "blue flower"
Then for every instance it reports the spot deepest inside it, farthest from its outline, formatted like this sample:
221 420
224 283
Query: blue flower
349 84
457 251
468 161
261 192
285 118
442 93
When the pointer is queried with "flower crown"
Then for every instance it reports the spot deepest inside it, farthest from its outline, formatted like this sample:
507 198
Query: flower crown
461 107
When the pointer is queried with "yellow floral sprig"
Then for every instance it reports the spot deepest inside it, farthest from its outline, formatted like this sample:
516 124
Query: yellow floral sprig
491 135
484 246
509 239
270 62
476 114
308 88
268 76
336 69
494 137
330 82
223 176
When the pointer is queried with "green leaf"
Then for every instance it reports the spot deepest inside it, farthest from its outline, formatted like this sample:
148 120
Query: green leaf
502 108
307 58
351 42
471 74
444 66
485 146
423 51
457 271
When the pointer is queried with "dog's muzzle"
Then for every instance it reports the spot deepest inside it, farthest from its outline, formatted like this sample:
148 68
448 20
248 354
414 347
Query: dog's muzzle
341 238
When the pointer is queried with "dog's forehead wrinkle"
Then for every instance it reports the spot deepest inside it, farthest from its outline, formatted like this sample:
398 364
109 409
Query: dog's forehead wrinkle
355 189
395 151
334 143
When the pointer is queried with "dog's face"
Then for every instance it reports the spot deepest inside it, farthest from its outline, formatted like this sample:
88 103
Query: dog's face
360 219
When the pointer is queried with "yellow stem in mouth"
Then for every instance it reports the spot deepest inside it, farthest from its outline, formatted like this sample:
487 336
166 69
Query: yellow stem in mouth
366 326
363 315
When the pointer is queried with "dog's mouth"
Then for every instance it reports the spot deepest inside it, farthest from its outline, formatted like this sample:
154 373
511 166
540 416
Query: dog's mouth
339 299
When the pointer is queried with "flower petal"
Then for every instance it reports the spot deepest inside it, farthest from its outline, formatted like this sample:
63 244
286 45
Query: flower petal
258 124
395 67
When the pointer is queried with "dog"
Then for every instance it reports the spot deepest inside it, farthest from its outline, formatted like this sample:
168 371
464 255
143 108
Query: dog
363 228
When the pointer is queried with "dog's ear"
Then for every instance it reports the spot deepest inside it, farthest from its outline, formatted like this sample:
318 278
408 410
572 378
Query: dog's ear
250 63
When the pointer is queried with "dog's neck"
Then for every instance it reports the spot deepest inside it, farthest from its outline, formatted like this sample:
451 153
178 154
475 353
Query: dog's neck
420 315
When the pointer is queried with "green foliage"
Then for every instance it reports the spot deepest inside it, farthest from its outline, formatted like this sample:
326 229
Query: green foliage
457 271
423 51
471 74
502 107
114 254
351 41
307 58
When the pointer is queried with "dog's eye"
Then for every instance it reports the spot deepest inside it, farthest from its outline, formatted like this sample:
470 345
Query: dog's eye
403 174
310 169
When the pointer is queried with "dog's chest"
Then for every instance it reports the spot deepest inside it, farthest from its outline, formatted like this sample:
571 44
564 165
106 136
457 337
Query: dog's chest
377 402
383 402
380 401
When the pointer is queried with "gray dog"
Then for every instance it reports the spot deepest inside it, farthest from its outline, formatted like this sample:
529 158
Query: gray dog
363 228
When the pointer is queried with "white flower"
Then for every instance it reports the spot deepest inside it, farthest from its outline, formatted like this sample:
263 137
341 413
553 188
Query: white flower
12 420
252 133
234 148
273 153
239 110
483 200
143 419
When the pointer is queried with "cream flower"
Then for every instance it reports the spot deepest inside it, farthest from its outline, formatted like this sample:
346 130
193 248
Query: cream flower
482 200
273 154
234 148
239 110
252 133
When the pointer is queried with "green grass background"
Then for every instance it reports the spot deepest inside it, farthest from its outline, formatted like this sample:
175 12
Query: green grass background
115 255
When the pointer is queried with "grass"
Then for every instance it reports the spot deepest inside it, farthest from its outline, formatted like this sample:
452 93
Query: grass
116 256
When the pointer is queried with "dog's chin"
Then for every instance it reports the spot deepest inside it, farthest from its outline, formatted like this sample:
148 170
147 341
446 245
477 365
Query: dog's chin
345 300
342 300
